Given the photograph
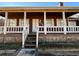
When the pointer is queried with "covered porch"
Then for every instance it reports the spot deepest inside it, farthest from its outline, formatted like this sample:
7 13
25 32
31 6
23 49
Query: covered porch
50 22
38 22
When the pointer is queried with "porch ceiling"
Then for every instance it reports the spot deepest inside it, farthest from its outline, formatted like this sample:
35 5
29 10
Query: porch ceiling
38 14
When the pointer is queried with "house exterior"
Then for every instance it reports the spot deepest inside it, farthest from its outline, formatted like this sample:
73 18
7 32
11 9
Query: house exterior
20 21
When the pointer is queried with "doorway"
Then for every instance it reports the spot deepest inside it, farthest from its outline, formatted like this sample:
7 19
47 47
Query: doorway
35 23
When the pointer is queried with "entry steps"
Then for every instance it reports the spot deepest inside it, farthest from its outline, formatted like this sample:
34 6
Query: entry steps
30 41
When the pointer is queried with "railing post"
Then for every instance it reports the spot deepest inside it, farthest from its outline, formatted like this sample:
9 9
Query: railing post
45 22
5 26
37 33
64 19
23 39
28 29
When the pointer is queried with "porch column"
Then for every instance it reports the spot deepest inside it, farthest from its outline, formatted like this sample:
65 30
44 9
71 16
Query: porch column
24 28
45 22
5 23
64 19
25 20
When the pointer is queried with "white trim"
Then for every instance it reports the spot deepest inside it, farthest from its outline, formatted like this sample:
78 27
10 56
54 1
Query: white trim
64 19
24 20
5 23
45 22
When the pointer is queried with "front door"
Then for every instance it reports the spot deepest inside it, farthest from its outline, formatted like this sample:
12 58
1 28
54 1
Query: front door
35 23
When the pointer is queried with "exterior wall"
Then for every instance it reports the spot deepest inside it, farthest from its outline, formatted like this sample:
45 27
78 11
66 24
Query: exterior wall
59 37
9 38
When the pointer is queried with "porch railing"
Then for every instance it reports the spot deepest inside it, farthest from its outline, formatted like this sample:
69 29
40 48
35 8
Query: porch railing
72 29
51 29
13 29
54 29
58 29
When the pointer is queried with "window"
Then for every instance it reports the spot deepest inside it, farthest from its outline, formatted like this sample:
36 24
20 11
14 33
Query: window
60 22
71 23
21 22
11 22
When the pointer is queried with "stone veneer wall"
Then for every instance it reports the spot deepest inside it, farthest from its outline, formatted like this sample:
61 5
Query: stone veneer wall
59 37
11 38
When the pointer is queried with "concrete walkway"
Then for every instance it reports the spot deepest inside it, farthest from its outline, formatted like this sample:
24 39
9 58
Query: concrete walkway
49 52
64 51
26 52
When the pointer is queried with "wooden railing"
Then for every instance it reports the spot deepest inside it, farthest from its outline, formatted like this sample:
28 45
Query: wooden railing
14 29
51 29
72 29
54 29
41 29
58 29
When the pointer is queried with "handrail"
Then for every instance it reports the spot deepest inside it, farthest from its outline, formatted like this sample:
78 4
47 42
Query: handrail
24 36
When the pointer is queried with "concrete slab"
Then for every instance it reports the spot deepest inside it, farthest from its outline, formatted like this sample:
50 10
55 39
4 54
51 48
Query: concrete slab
26 52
